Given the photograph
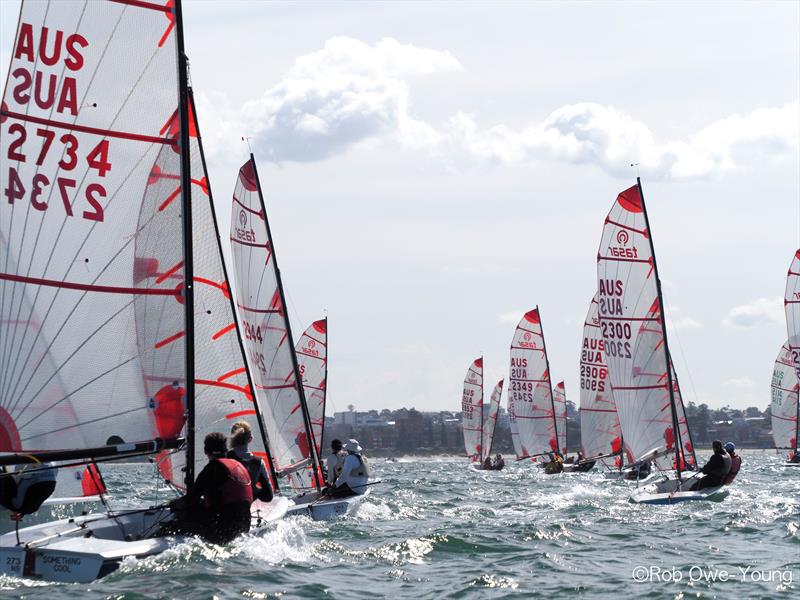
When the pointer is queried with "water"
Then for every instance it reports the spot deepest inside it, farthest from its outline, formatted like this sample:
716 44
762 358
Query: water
436 529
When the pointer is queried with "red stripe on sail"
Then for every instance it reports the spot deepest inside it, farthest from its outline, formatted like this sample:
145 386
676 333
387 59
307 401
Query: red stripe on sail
241 413
231 374
169 340
257 310
136 137
220 286
258 213
222 384
223 331
86 287
169 199
166 275
274 387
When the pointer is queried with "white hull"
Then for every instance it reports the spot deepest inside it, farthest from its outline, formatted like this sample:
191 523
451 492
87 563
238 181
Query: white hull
791 464
83 549
326 509
671 491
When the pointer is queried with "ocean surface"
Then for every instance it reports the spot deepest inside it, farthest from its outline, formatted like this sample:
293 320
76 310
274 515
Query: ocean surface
434 528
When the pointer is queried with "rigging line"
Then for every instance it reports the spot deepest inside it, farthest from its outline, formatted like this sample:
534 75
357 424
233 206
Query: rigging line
88 383
57 370
683 357
108 204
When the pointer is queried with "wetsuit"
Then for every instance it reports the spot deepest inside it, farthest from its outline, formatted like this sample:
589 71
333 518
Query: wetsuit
217 506
259 478
736 464
715 470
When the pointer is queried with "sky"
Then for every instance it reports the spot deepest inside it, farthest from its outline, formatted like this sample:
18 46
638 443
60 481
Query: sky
434 170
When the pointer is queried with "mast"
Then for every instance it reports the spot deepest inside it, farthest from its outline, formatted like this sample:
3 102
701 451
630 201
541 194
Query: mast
325 390
482 394
188 269
667 355
549 380
256 406
312 446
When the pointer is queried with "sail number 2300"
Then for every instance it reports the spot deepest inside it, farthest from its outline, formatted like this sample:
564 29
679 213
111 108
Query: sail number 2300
36 190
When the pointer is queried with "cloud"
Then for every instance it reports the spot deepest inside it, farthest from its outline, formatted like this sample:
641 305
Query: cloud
761 310
678 321
742 383
511 317
349 92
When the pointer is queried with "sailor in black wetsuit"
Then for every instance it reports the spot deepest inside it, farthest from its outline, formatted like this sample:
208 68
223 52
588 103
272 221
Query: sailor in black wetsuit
217 506
241 436
715 469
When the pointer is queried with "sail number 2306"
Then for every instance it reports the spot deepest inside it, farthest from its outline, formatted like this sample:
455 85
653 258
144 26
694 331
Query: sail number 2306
41 189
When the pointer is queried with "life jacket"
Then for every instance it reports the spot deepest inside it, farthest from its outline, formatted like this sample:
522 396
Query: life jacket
237 487
362 470
736 464
26 490
252 464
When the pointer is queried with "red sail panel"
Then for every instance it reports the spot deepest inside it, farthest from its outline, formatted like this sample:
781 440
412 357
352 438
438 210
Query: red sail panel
90 88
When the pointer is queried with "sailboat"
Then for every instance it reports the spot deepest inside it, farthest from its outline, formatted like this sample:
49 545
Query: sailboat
601 434
642 377
791 303
560 406
784 406
312 359
271 354
530 392
113 249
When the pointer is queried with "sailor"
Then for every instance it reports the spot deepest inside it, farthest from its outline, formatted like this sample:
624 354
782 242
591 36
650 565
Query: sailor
795 458
556 464
24 490
355 472
217 506
241 436
715 469
487 464
499 463
334 462
736 463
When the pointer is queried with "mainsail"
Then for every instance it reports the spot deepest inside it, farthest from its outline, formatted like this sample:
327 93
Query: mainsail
601 434
490 420
784 407
560 406
791 303
268 337
530 390
631 318
512 425
472 410
312 356
90 89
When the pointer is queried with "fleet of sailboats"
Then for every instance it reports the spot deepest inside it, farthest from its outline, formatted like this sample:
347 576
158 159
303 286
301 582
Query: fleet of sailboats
125 334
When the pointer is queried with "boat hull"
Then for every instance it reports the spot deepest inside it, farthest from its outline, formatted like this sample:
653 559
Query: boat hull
83 549
324 510
671 491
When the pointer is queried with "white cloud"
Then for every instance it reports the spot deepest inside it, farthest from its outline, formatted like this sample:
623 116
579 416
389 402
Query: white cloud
761 310
742 383
511 317
679 321
349 92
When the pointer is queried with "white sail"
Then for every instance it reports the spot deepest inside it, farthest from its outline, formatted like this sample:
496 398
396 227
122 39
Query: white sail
512 424
312 357
490 420
791 303
82 126
632 327
267 337
600 430
530 389
560 406
784 401
472 410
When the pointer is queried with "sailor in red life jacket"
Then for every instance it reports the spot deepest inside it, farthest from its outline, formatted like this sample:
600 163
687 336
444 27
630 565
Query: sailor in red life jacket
217 506
241 436
736 463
